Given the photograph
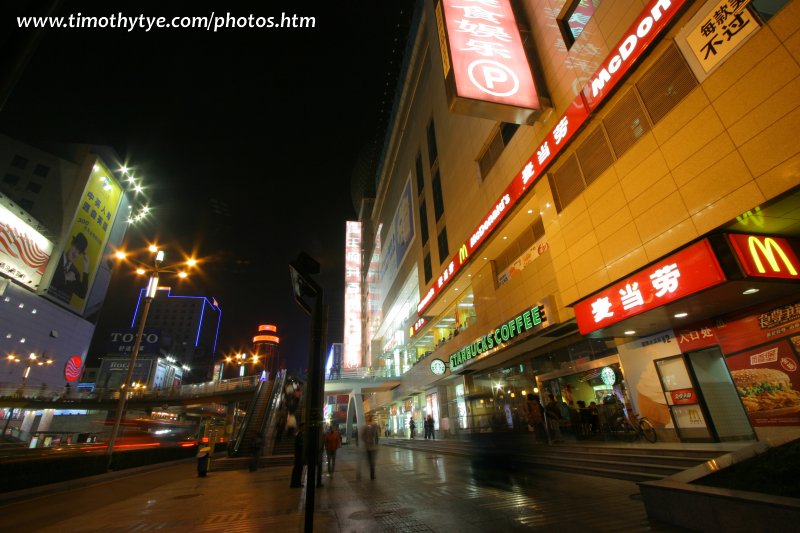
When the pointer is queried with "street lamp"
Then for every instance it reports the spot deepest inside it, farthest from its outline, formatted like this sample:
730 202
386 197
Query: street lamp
301 270
153 271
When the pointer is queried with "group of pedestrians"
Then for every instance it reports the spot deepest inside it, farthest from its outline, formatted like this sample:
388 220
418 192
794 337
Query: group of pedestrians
428 426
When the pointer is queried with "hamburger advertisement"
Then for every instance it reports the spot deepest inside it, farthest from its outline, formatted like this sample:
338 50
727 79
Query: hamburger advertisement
768 382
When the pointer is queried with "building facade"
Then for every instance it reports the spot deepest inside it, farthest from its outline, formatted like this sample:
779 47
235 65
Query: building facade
628 237
62 210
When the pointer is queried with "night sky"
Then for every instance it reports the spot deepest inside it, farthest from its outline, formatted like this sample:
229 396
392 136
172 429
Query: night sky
246 140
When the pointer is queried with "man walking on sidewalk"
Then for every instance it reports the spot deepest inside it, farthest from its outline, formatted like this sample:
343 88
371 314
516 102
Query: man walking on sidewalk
369 437
332 442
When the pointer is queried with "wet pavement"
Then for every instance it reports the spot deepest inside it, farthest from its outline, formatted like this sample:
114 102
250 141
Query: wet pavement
414 491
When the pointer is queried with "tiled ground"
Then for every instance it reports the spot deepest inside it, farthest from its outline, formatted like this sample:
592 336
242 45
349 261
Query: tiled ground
414 491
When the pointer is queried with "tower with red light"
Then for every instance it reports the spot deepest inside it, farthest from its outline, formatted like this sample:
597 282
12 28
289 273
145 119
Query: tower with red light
266 347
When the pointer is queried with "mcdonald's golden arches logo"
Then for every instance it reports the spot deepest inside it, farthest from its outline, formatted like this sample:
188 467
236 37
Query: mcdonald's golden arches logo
765 256
463 253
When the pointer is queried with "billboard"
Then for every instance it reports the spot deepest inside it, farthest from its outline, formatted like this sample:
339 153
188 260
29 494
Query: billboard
484 61
397 241
352 296
24 252
86 240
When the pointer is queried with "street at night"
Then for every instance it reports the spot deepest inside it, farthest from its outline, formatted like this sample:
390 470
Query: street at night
518 264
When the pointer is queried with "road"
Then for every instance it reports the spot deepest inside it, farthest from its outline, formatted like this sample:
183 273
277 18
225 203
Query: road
413 491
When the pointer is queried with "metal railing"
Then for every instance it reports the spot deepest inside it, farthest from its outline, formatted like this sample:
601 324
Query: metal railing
196 390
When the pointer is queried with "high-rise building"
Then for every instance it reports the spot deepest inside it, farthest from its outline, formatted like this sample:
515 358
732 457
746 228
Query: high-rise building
62 210
189 327
597 202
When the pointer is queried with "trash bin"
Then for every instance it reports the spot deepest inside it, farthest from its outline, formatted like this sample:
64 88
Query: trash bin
203 461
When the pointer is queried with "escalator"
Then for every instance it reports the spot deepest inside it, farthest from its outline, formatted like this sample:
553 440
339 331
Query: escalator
261 411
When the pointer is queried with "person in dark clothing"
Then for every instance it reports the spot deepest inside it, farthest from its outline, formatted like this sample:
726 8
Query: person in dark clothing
428 424
412 427
256 445
297 470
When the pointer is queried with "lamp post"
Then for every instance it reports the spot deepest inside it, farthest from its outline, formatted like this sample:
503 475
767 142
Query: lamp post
304 286
152 271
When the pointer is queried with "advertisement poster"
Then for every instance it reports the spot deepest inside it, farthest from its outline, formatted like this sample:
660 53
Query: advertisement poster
398 240
761 347
24 252
84 245
768 381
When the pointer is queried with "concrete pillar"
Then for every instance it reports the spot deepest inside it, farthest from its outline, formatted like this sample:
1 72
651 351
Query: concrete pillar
230 411
355 408
46 420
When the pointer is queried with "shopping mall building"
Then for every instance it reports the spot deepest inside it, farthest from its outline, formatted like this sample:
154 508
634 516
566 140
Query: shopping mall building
597 200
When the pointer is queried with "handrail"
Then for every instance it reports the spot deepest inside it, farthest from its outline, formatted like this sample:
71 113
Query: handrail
246 422
273 406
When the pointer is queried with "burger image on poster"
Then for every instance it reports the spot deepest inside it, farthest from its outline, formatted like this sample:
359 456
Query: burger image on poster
766 390
646 392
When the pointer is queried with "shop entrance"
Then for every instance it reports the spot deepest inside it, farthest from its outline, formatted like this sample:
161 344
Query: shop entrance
702 397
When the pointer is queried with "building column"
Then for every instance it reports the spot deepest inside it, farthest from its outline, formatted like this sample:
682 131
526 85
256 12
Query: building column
355 407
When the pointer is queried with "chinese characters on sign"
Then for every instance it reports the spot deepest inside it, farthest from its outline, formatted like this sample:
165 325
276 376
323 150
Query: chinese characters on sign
24 252
352 296
489 61
691 270
720 32
650 24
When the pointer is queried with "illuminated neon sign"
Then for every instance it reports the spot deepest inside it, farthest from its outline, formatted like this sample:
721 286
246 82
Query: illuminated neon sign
641 34
691 270
488 59
531 319
352 295
765 257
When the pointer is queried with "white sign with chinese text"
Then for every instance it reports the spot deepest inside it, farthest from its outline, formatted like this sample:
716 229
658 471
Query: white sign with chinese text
715 32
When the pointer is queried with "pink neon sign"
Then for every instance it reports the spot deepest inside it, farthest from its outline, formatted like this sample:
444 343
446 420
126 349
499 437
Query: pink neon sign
489 61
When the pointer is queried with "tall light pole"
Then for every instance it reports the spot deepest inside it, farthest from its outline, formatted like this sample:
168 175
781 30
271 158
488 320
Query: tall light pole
152 271
304 286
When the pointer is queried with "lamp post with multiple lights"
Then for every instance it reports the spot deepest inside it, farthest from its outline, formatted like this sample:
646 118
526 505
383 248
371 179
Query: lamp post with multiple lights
153 271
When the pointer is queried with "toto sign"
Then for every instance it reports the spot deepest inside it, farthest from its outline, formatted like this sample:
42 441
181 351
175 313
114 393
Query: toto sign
121 342
72 370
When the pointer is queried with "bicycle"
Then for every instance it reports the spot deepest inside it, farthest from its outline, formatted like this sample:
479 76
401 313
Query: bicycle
623 429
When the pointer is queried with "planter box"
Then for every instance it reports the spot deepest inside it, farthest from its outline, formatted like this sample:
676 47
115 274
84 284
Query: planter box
675 500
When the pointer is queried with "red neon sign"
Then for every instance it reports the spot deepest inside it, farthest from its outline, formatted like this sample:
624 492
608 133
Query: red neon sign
637 39
763 256
72 370
489 61
652 21
565 129
691 270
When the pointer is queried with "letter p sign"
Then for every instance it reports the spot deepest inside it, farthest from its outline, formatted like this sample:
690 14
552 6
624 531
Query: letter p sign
493 78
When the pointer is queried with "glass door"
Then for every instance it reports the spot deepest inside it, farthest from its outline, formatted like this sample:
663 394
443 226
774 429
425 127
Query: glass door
719 395
683 400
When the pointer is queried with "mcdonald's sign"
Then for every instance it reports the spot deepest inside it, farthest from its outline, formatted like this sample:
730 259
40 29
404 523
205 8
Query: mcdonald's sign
763 256
463 253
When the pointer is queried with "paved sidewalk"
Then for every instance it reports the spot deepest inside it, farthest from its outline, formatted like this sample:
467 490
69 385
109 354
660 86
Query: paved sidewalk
414 491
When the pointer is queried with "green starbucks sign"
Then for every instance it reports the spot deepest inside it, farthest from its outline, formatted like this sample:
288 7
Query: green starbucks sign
530 320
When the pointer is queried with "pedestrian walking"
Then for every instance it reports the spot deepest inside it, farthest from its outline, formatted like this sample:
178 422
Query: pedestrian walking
297 470
255 449
532 409
370 439
428 425
553 411
412 427
333 440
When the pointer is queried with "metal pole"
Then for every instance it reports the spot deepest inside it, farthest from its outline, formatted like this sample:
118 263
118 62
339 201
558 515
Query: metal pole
123 391
314 403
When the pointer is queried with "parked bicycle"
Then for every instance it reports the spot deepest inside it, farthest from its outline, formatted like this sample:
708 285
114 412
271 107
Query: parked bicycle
639 427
